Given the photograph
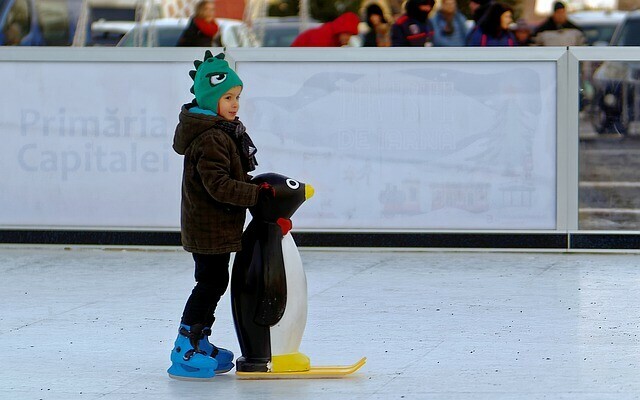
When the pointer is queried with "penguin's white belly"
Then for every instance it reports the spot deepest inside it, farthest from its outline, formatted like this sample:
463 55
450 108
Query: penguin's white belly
286 335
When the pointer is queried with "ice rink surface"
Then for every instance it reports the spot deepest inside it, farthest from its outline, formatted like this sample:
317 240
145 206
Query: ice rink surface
100 324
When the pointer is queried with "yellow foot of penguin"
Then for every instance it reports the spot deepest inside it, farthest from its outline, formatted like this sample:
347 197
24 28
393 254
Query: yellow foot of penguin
314 372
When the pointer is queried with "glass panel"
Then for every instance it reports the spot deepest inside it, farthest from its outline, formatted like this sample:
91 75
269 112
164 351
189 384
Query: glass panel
630 34
609 129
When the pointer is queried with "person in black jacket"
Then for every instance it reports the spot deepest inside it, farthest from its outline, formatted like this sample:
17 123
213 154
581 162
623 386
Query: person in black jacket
557 30
202 30
414 28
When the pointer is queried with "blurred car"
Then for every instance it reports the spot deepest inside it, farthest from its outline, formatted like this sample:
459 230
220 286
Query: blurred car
109 33
617 83
598 26
167 31
275 31
38 22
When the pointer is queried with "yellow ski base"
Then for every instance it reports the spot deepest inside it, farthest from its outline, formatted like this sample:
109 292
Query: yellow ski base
324 372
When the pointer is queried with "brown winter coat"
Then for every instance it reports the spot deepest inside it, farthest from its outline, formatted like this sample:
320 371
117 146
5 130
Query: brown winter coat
215 192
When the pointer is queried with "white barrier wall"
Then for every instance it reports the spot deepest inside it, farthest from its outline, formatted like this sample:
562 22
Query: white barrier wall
389 141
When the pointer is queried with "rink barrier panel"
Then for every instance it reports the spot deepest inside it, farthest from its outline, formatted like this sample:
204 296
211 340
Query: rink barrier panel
566 235
414 240
575 241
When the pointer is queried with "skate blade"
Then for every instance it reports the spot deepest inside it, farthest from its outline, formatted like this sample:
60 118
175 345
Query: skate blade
225 369
320 372
191 379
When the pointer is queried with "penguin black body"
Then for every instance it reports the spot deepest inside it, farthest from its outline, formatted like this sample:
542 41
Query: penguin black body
259 284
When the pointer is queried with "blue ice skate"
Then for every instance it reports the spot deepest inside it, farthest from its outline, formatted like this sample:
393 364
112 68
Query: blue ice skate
188 361
224 357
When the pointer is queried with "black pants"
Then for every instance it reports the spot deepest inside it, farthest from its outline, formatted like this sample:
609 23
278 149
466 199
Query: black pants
212 279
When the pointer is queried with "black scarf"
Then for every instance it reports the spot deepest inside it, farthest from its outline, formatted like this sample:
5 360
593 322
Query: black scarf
239 134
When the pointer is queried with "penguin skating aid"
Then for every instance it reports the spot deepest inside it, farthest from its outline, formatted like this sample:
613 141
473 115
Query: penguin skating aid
269 290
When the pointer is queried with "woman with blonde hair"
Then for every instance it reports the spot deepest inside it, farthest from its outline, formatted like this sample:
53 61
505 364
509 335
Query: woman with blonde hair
202 30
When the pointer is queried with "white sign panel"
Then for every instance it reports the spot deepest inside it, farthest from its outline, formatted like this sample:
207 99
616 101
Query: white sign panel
387 145
409 145
88 144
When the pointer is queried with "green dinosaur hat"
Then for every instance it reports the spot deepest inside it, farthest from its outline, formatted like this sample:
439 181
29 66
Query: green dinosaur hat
212 78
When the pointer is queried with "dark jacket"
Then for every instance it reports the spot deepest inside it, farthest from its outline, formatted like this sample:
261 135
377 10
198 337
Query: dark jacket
551 34
194 37
413 28
411 32
550 25
215 188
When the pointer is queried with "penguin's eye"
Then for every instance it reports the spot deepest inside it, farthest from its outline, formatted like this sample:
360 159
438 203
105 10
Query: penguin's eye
217 78
293 184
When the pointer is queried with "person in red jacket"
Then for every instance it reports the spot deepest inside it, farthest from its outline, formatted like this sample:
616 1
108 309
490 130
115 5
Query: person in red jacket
334 33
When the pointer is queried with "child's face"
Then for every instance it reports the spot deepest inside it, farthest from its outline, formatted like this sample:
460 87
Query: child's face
229 103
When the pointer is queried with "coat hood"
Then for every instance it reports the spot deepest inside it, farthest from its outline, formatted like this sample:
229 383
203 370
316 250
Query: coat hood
345 23
190 126
413 9
368 7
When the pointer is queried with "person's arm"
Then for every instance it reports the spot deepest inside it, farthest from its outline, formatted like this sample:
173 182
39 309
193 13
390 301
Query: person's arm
214 167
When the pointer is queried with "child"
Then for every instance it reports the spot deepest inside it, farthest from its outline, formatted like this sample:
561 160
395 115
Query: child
218 154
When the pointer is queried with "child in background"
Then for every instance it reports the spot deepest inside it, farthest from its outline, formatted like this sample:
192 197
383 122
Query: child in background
218 155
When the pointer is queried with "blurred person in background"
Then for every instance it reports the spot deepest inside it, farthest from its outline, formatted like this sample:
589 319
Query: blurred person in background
202 30
478 8
336 33
378 22
557 30
449 25
413 28
493 28
522 33
13 35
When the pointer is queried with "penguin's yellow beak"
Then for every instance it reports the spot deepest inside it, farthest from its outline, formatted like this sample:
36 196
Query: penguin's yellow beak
308 191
